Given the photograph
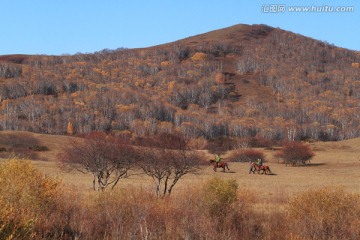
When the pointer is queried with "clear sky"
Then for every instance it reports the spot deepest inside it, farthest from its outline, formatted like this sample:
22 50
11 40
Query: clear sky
71 26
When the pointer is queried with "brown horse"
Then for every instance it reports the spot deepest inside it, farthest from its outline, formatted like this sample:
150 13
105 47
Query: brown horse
222 165
264 168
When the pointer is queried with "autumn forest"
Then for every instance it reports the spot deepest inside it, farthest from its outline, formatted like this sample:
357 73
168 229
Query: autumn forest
246 81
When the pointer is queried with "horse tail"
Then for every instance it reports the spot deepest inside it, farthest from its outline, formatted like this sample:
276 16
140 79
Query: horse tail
269 169
227 166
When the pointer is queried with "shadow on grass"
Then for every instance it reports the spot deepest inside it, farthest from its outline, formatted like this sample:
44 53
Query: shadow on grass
311 165
272 174
269 174
225 172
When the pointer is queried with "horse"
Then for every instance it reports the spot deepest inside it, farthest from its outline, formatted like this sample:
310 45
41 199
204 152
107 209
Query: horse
222 165
264 168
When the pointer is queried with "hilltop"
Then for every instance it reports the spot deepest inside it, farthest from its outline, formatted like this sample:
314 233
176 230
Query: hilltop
238 82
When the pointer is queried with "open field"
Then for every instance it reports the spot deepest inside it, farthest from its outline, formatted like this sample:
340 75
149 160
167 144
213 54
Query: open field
335 164
258 209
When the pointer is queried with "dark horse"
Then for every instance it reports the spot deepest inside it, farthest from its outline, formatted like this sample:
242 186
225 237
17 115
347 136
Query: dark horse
264 168
222 165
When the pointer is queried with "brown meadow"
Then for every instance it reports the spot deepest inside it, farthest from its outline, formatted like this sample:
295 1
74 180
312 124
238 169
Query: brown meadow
263 205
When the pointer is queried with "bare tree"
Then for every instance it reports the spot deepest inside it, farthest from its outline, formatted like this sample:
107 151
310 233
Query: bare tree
106 157
166 158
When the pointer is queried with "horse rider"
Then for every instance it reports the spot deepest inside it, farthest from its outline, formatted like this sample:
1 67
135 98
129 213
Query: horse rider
217 159
259 162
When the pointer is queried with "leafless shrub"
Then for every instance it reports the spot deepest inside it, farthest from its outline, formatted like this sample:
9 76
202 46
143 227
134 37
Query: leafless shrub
105 157
167 158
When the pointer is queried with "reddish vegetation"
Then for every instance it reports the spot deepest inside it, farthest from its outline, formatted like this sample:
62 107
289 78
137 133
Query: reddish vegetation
242 81
295 152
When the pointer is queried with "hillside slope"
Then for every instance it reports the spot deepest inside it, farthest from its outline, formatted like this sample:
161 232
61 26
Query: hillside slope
241 81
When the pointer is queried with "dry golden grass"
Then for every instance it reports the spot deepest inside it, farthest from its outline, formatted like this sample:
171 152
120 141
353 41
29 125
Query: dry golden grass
335 164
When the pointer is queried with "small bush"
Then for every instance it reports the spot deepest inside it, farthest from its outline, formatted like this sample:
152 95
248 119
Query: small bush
220 78
26 196
294 153
249 155
355 65
325 214
219 194
226 210
165 63
199 56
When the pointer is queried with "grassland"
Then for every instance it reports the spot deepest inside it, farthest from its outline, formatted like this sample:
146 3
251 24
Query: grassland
335 164
264 205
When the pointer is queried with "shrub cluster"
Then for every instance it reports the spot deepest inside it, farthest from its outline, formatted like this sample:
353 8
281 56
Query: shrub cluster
23 144
247 155
26 197
294 153
33 206
325 214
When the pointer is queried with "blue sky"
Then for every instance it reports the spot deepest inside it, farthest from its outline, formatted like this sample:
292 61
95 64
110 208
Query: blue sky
71 26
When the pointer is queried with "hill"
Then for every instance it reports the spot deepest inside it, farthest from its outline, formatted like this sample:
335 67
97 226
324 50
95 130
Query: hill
242 81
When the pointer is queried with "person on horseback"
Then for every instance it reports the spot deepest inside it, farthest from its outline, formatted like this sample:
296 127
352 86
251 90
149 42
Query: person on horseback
259 162
217 159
